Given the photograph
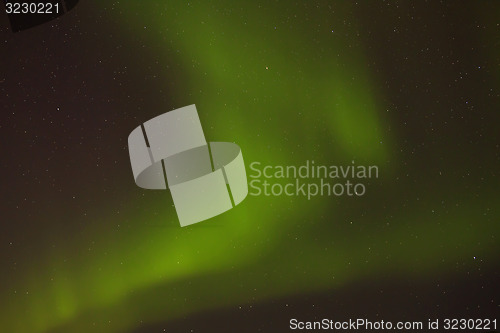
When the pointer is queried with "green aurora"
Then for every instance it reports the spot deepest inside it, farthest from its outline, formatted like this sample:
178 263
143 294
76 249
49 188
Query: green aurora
287 82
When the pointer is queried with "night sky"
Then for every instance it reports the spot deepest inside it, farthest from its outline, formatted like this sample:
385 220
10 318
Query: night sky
412 87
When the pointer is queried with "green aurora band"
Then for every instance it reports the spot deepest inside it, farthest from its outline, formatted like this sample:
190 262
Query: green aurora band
284 97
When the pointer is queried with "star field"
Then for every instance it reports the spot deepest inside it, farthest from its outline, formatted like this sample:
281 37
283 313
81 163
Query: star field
412 87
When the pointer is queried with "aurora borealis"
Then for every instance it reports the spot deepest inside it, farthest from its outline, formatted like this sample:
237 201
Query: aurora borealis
411 87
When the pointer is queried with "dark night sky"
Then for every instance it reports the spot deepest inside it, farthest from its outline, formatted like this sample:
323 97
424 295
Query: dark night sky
412 87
